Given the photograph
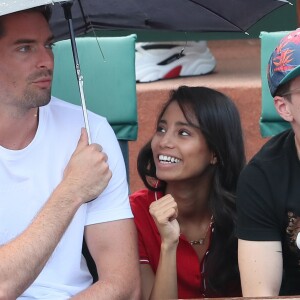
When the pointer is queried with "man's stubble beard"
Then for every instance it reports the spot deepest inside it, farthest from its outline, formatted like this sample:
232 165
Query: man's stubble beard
37 97
34 99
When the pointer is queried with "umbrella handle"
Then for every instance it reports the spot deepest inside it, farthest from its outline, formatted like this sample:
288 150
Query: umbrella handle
68 15
83 103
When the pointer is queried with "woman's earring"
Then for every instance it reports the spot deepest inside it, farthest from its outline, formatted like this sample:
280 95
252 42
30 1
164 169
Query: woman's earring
214 160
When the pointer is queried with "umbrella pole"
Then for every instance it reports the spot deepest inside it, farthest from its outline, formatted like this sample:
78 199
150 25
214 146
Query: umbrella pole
68 15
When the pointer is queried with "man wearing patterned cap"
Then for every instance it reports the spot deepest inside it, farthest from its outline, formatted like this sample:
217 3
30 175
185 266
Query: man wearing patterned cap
268 195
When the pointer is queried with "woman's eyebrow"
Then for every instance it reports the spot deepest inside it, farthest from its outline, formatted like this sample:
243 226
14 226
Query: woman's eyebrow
179 123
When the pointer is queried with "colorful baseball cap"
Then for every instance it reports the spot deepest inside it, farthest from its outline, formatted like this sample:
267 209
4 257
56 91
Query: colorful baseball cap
284 63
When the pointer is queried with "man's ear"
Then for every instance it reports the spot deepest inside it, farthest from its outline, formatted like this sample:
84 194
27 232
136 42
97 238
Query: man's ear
283 108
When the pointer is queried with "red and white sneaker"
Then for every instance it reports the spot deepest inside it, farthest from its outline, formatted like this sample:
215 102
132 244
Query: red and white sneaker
163 60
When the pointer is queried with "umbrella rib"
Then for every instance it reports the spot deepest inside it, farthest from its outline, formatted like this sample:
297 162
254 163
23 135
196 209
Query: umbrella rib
224 18
89 23
83 16
202 5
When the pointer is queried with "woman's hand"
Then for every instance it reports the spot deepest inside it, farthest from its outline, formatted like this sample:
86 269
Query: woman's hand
164 213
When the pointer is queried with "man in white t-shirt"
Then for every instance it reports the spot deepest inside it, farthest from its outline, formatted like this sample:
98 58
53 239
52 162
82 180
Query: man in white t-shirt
49 175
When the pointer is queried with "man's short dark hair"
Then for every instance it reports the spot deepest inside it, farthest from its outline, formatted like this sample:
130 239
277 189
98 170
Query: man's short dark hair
283 89
45 10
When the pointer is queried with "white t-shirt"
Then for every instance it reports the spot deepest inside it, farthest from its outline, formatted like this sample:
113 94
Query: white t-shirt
28 177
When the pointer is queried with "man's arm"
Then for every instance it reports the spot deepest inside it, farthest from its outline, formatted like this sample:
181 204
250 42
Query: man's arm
22 259
113 246
260 266
148 278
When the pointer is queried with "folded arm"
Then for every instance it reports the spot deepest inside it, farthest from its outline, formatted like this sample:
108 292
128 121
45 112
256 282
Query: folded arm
260 264
113 246
163 285
23 258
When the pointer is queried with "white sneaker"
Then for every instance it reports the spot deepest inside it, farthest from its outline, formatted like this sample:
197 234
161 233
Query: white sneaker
162 60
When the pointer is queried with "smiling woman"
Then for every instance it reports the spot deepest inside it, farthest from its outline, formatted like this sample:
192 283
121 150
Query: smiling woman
179 148
186 217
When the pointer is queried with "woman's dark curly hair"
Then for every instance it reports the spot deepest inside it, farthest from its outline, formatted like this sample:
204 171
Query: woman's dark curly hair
220 124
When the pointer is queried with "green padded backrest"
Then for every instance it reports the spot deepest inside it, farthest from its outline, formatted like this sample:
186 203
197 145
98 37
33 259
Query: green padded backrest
270 122
109 82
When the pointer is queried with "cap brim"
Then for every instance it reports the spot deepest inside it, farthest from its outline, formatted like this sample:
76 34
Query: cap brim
291 75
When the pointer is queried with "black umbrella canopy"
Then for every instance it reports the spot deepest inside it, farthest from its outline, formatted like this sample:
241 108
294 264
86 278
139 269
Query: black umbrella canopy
173 15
